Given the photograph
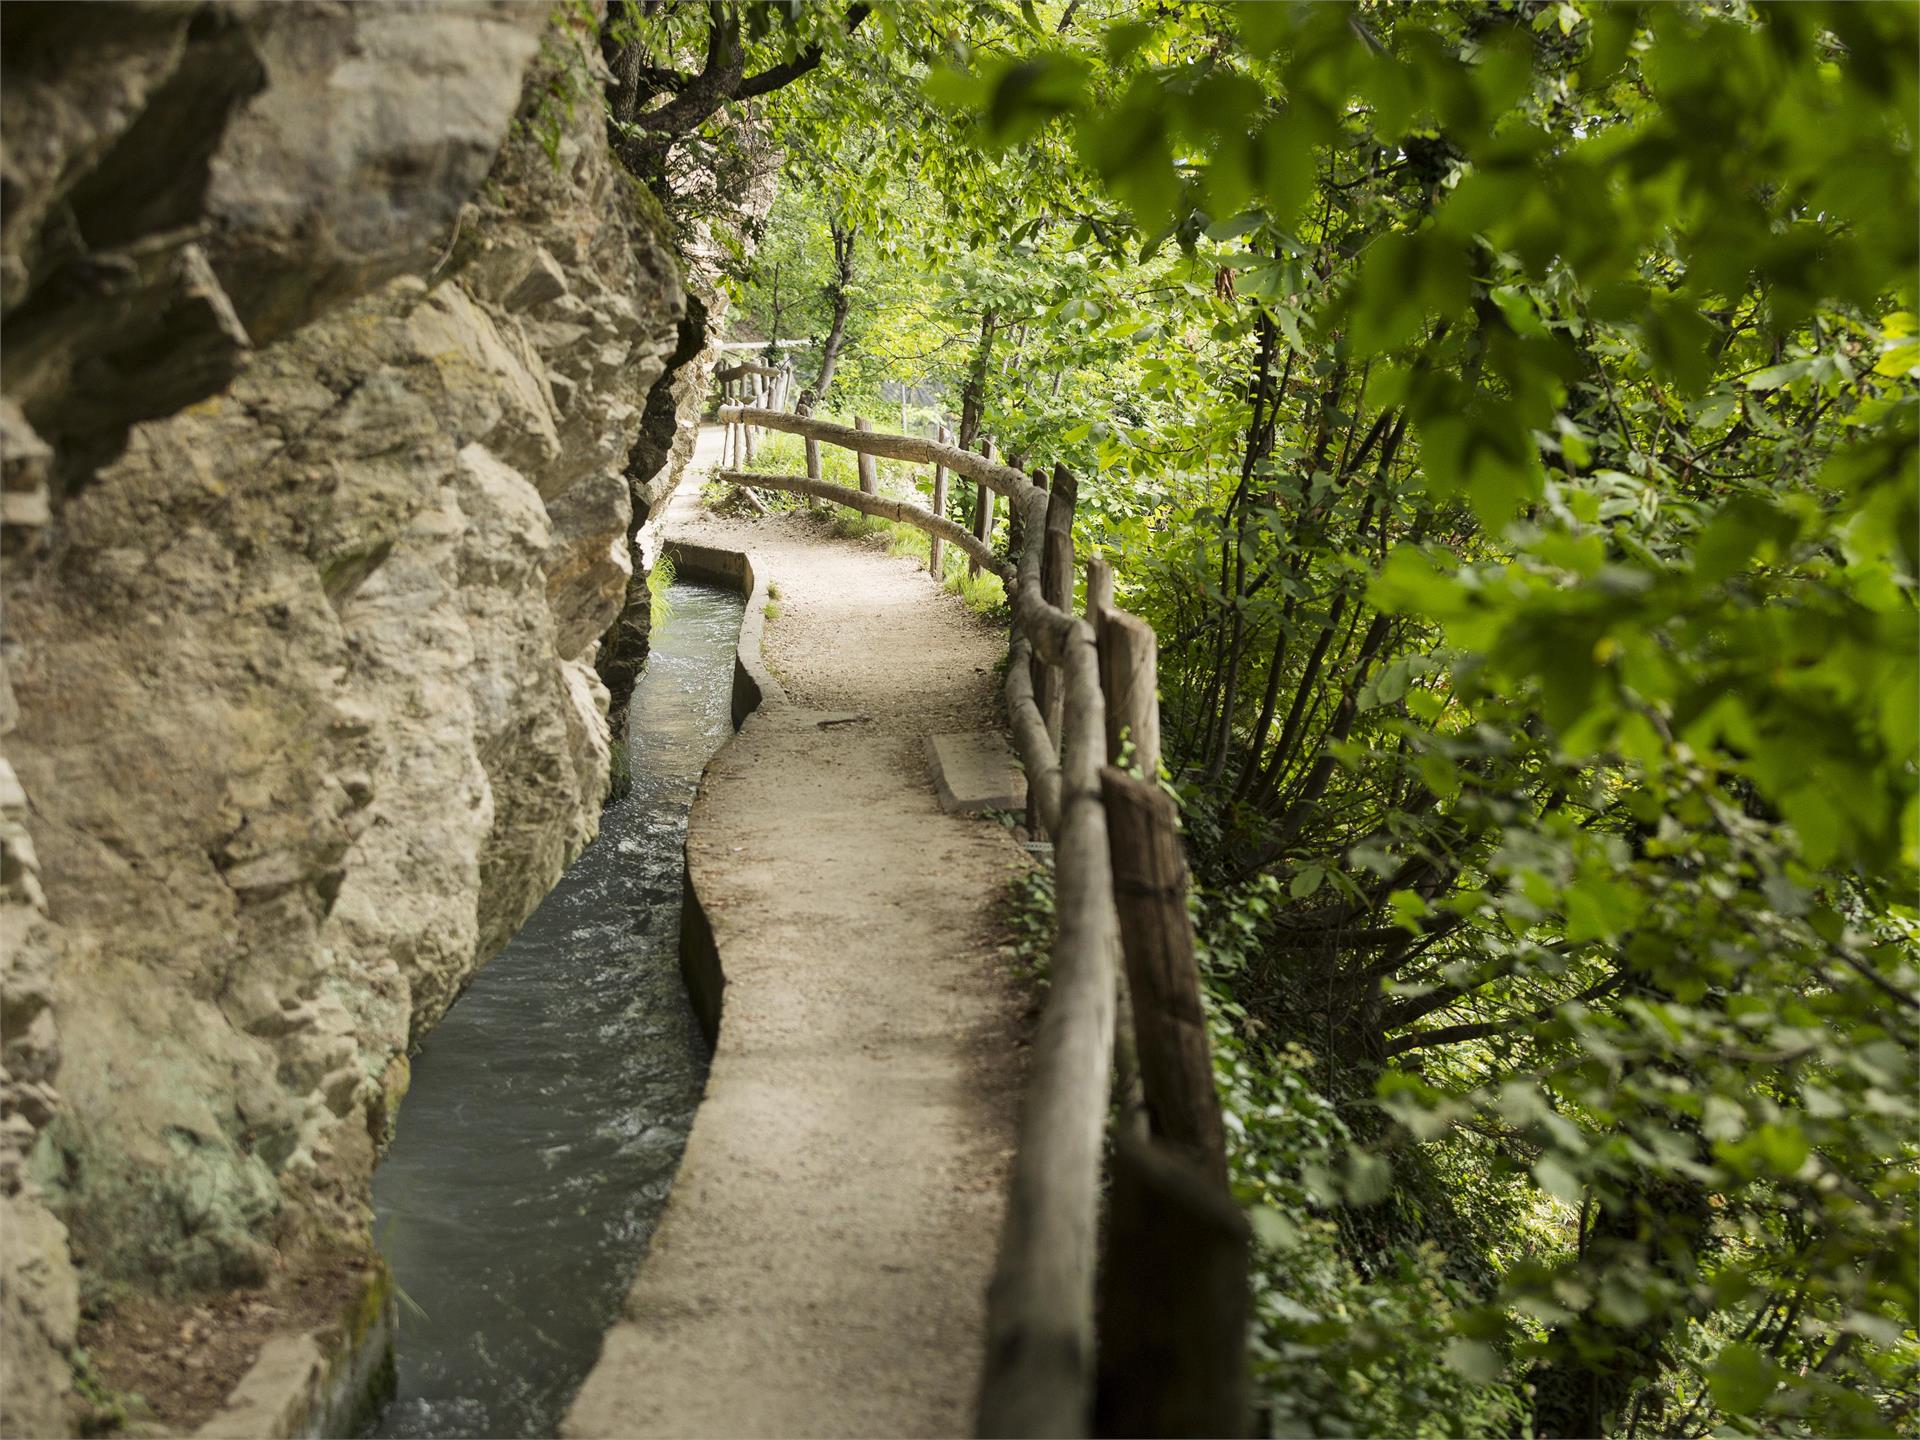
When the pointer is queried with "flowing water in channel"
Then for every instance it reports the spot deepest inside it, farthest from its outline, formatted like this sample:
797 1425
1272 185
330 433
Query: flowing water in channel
549 1108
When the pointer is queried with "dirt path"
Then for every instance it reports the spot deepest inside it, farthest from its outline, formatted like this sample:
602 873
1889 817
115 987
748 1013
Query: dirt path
822 1264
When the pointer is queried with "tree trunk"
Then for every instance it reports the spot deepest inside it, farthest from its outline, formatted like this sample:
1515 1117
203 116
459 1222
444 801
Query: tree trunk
973 394
840 297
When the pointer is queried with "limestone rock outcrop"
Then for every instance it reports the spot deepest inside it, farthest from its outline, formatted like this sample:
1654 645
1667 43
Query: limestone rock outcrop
329 333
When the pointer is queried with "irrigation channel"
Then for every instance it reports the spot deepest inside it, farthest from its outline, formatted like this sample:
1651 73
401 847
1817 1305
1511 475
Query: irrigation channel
549 1108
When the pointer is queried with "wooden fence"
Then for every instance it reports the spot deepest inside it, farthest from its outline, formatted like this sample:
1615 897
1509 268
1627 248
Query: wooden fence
769 387
1137 1326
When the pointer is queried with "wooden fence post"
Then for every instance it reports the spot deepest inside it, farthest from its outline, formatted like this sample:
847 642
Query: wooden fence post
746 431
936 551
982 510
1173 1302
1037 669
1129 662
869 475
1017 523
1163 980
1129 1096
813 446
1099 594
1056 580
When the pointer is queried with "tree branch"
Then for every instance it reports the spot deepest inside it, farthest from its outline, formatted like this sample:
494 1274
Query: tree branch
1455 1034
788 71
716 83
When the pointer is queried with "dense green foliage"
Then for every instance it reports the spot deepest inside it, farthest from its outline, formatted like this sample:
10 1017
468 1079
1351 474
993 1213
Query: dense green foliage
1506 414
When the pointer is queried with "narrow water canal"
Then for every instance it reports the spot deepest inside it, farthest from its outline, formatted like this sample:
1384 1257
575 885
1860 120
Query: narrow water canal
549 1108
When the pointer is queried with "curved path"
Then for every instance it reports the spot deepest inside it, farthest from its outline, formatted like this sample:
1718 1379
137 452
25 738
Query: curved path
822 1263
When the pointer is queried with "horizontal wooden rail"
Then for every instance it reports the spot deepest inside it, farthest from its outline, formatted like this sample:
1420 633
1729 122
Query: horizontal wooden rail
1040 1364
878 506
912 449
1030 736
1038 1377
744 369
1045 625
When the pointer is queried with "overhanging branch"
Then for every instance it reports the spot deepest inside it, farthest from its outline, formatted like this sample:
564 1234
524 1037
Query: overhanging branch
1456 1034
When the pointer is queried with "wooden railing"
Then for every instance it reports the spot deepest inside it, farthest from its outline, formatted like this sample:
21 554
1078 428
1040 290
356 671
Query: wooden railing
768 387
1145 1337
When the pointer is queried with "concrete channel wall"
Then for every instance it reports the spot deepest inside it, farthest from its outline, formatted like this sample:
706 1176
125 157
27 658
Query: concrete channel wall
753 683
753 688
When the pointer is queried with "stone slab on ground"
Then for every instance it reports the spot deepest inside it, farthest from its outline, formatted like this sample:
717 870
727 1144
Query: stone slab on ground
975 772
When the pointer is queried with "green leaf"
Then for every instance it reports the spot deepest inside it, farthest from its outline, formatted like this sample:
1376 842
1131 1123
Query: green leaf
1774 376
1121 41
1742 1379
1408 908
1369 1177
1474 1360
1557 1180
1273 1229
955 88
1517 305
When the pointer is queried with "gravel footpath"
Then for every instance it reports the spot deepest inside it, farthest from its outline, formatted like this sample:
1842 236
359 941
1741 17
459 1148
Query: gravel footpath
821 1267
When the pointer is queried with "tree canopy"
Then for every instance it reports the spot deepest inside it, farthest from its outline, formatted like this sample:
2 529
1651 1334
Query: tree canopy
1505 412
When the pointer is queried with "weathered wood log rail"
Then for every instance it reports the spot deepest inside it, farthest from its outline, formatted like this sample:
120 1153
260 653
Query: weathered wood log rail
1167 1354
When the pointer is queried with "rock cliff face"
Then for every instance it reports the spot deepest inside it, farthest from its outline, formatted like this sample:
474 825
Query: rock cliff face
329 335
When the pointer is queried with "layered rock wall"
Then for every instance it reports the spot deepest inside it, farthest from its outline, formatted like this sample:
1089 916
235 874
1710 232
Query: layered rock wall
329 335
